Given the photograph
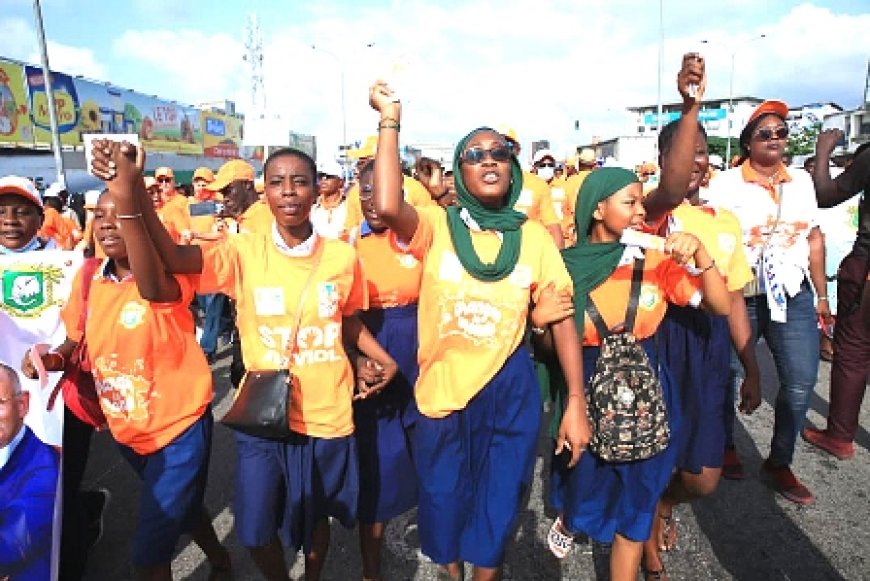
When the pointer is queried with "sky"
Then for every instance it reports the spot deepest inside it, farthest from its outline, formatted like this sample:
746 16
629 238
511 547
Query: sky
536 66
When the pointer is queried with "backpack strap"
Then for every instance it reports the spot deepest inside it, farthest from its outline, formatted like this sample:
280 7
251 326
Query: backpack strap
634 294
631 310
89 268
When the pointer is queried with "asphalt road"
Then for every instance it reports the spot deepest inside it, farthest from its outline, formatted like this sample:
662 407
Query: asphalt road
744 531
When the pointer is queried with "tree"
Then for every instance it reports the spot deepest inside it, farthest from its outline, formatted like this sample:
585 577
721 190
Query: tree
719 146
803 141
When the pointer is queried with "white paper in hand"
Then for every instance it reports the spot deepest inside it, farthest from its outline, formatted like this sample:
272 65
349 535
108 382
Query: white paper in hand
633 237
36 353
88 139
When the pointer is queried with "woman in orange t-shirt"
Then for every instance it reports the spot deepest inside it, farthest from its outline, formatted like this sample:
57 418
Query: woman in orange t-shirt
141 349
285 488
479 402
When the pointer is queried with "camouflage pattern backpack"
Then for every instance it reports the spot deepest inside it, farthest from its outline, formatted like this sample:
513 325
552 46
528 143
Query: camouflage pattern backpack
626 408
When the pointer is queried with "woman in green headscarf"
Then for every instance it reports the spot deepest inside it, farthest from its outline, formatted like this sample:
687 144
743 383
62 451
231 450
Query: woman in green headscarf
615 502
483 264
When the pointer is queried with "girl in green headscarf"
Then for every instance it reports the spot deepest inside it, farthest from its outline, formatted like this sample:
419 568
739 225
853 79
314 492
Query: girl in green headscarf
483 264
616 502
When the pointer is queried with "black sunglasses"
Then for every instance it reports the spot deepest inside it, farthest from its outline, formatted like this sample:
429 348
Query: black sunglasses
476 155
766 133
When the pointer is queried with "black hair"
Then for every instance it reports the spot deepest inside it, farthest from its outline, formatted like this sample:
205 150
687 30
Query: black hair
666 137
54 202
291 152
861 149
365 169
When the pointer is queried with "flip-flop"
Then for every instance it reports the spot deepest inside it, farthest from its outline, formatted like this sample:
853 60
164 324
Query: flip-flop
669 532
560 544
657 575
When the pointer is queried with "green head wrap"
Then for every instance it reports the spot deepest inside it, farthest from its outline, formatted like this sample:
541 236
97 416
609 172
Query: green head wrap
590 264
505 220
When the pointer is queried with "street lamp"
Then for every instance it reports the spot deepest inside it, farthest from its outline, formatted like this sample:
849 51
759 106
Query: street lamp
731 91
340 64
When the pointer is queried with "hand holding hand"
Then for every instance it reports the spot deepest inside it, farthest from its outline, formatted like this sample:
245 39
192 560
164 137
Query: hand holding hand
552 307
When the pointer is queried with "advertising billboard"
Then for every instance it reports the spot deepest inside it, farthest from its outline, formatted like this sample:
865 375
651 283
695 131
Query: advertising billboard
221 135
66 106
15 124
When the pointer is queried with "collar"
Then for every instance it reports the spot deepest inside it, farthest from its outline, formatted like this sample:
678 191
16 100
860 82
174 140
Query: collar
780 176
472 223
304 248
6 453
106 272
630 254
35 244
321 201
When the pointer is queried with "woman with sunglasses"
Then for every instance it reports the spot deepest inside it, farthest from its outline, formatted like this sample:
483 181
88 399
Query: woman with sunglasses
480 408
776 209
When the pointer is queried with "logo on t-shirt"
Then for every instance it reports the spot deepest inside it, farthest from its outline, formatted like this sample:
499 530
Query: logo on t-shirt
327 300
649 297
132 315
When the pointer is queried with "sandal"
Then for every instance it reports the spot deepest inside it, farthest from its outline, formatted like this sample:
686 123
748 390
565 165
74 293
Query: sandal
656 575
444 575
560 543
669 532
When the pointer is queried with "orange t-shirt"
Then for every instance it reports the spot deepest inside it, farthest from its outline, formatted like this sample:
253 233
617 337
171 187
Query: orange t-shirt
257 218
266 284
415 193
392 275
664 281
55 226
151 375
468 328
535 200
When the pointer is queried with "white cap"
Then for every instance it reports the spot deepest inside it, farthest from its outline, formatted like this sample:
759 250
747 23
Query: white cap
54 190
330 168
541 154
91 198
19 186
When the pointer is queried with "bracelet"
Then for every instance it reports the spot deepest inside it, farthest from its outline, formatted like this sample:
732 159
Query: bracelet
698 272
570 395
389 119
822 298
388 125
538 330
129 216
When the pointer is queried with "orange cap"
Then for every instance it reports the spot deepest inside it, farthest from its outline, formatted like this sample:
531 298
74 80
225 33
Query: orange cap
232 171
164 172
778 108
203 173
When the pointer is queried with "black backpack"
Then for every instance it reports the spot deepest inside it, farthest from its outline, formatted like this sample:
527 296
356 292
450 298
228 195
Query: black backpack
626 408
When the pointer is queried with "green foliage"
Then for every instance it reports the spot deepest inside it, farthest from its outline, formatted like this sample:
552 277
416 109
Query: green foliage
803 142
719 146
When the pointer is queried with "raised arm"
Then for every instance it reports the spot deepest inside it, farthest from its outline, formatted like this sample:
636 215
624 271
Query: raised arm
678 160
184 259
390 204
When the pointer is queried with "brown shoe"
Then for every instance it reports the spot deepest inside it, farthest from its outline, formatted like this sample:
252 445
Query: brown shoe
732 467
786 483
841 449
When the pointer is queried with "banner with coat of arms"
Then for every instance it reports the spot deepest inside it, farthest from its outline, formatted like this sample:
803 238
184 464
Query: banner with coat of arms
34 287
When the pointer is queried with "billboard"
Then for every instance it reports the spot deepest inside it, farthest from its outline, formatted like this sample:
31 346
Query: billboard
163 126
221 135
15 124
66 105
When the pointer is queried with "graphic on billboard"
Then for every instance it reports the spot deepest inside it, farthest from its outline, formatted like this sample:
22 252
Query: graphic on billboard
66 106
222 135
15 125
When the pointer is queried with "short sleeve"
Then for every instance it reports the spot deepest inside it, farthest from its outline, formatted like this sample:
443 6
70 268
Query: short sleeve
186 284
357 296
220 267
680 287
421 242
71 313
547 211
553 271
737 271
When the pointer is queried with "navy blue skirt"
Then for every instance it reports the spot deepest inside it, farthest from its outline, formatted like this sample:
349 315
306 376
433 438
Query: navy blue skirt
696 347
383 423
600 498
475 465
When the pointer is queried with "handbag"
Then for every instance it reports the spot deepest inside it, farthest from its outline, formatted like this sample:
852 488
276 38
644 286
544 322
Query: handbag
261 407
77 383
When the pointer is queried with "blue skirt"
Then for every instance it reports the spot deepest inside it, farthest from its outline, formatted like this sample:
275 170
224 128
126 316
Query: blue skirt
475 465
696 347
383 424
289 486
601 499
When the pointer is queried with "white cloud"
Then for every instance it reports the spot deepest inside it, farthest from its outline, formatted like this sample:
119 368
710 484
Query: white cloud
19 42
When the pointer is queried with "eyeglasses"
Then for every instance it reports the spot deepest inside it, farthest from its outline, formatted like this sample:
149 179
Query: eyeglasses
546 165
164 180
766 133
476 155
